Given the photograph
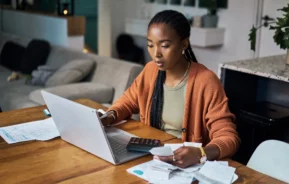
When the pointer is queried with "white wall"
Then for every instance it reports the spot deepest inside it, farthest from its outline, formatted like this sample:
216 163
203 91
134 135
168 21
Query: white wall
50 28
30 25
237 20
118 9
76 42
111 19
104 28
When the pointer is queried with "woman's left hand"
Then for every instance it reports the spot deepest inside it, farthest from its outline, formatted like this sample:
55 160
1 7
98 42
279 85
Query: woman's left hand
183 157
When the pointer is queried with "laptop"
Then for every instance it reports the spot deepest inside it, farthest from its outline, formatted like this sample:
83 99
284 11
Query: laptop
80 125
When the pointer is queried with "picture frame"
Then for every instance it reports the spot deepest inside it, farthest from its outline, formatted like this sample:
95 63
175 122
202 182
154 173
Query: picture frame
207 3
190 3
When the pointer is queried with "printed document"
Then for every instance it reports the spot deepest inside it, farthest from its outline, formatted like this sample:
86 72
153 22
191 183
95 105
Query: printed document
37 130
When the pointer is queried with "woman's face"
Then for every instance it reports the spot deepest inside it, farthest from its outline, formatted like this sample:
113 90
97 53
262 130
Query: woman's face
165 46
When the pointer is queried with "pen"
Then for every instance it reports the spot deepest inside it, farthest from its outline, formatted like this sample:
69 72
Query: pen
46 112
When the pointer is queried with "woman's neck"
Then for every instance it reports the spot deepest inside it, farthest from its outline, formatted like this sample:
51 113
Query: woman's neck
177 72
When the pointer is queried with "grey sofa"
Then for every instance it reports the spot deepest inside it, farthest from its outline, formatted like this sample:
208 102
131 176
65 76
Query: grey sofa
107 81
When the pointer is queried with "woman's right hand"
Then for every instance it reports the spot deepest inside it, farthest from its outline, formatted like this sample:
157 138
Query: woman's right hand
107 121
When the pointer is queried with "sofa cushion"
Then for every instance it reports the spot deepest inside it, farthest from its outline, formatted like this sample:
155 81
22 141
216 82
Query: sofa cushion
40 76
4 37
11 55
71 72
35 54
97 92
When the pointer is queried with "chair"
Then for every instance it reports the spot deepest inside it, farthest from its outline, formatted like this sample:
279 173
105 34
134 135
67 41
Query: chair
271 157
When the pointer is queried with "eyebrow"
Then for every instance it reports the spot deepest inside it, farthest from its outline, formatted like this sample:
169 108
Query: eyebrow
161 41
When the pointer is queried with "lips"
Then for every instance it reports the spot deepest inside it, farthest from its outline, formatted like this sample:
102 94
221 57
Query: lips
159 64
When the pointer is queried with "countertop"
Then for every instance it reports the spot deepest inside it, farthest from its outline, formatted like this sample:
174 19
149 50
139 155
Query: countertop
273 67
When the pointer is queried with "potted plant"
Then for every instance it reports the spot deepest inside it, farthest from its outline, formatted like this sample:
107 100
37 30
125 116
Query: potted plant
281 35
211 19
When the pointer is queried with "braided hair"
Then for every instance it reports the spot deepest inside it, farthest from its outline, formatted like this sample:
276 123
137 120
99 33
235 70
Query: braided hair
180 24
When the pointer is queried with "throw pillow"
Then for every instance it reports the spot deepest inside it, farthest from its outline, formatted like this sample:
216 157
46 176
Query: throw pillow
40 76
73 71
35 54
11 55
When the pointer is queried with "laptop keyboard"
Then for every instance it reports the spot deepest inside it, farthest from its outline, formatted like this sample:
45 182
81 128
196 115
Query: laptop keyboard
118 147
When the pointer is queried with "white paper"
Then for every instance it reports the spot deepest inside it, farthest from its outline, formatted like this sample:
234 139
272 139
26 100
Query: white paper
193 144
178 177
162 171
37 130
140 170
161 174
217 172
174 146
226 163
175 176
162 151
163 165
192 168
209 181
44 130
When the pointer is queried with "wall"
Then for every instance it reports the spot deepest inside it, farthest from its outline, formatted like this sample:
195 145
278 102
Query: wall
104 28
237 20
50 28
88 8
30 25
111 18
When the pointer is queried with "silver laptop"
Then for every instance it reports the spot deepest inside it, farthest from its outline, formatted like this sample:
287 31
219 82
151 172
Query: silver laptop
80 125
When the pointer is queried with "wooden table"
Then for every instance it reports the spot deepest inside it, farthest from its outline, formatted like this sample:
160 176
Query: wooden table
56 161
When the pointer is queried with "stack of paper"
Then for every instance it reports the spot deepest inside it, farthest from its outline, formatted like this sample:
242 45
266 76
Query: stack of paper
156 171
174 147
168 149
216 173
38 130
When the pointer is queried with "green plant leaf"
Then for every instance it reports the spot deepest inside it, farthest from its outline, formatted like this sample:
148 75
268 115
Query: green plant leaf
284 9
279 38
272 27
281 27
286 38
252 38
281 22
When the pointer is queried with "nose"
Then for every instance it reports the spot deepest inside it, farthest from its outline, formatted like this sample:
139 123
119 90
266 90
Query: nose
157 52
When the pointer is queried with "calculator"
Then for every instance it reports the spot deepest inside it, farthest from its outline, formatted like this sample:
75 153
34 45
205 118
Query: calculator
142 145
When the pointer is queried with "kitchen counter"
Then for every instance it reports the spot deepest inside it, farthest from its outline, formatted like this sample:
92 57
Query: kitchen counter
273 67
257 90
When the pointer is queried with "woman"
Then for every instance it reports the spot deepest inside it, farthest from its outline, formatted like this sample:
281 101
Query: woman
176 94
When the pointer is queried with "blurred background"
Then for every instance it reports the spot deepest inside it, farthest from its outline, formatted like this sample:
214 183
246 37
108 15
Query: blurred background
219 32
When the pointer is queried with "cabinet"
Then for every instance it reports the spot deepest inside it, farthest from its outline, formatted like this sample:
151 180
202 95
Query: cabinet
258 92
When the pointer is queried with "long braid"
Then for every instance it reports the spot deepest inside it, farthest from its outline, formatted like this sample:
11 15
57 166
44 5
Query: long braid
157 101
189 54
181 25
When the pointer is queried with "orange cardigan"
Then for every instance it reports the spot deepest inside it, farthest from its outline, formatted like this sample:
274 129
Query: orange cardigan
207 118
